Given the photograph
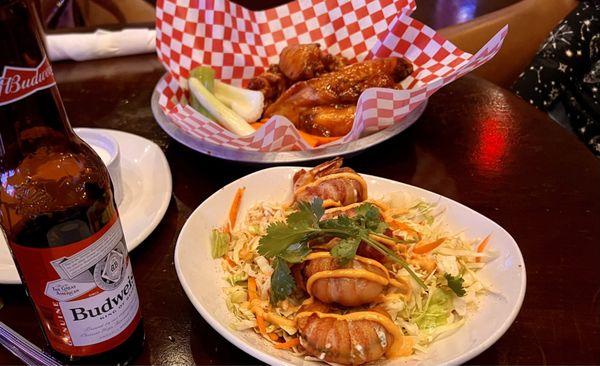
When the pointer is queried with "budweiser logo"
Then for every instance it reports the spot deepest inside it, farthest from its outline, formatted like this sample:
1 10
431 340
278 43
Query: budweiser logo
19 82
109 303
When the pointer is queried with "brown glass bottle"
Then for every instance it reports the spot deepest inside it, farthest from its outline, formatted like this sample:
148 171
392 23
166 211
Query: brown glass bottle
57 209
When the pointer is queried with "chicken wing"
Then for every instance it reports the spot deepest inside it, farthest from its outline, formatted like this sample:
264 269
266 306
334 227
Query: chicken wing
271 83
340 87
301 62
334 63
296 63
305 61
327 121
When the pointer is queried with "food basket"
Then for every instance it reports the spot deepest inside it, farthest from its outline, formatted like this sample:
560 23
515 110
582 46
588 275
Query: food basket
239 43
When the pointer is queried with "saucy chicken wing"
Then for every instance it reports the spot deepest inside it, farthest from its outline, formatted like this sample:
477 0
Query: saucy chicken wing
296 63
272 83
301 62
306 61
327 121
338 88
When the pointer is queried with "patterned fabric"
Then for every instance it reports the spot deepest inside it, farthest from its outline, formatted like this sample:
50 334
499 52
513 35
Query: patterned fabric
566 70
238 44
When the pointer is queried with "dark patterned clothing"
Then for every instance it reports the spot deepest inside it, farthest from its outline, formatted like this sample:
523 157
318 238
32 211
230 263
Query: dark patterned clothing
566 70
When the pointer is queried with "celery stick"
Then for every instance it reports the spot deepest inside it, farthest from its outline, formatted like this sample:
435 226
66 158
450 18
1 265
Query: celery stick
223 115
206 76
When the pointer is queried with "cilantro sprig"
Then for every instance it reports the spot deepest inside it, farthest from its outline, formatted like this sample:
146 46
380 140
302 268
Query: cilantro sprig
287 242
455 283
282 282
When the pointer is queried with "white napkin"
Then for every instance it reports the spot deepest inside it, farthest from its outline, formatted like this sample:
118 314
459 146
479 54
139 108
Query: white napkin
100 44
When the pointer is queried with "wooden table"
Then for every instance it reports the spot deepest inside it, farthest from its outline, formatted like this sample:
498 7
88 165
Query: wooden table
476 143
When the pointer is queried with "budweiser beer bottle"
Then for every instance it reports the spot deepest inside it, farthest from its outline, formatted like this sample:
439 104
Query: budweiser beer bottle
57 209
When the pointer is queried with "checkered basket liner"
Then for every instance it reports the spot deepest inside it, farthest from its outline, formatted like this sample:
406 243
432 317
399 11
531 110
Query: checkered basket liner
239 43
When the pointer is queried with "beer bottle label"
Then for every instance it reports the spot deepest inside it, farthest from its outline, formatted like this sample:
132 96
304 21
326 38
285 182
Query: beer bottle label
19 82
84 292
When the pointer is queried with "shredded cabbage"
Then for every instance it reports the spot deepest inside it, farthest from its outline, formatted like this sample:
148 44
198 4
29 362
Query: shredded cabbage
424 315
219 242
437 310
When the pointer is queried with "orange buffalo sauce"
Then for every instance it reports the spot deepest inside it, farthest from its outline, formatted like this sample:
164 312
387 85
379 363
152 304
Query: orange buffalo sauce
312 140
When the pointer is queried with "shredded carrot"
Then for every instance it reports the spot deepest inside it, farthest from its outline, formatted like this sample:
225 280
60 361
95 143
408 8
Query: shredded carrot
315 141
312 140
230 261
260 322
397 225
252 289
235 207
288 344
260 319
262 328
426 248
482 245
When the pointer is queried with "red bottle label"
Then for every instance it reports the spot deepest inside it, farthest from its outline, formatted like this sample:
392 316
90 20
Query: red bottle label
84 292
19 82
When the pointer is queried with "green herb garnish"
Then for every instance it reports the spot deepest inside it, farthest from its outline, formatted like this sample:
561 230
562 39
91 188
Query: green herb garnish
287 241
455 283
345 250
282 282
295 253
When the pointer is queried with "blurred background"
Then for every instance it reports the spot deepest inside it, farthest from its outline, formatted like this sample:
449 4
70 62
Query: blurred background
60 14
88 14
467 23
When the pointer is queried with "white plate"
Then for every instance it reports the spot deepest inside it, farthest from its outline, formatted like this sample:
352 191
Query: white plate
276 157
146 194
203 279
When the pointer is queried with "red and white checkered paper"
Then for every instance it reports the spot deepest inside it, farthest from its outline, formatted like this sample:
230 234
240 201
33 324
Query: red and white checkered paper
239 43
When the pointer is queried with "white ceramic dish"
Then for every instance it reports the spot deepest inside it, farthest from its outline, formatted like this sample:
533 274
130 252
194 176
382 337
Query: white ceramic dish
203 279
261 157
147 188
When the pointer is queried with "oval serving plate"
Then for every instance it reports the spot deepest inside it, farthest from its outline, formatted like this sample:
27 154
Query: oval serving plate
275 157
203 279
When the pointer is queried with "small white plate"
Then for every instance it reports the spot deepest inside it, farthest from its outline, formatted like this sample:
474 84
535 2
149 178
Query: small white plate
203 279
146 194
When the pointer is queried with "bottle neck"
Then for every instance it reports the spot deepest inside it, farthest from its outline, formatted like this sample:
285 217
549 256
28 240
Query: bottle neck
31 110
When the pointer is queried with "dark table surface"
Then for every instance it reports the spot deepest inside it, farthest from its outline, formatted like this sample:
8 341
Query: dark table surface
476 143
